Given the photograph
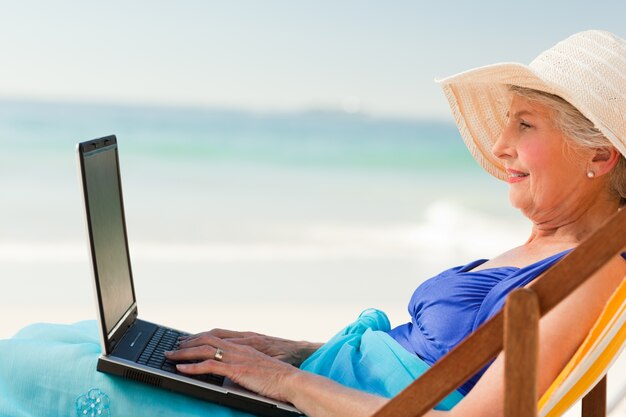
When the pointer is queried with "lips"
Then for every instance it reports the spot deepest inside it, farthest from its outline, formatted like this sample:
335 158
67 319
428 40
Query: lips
516 176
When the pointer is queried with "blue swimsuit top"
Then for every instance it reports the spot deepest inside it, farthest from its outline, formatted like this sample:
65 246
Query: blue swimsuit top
448 307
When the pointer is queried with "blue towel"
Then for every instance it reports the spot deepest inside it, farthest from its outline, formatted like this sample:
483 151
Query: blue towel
50 370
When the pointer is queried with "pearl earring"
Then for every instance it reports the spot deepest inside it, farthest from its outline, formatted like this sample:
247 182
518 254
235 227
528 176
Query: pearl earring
591 174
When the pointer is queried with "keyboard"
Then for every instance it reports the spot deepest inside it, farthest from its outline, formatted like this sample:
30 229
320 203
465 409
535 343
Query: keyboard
164 340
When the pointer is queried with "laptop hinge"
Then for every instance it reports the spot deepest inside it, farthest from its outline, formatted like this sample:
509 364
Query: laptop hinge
120 328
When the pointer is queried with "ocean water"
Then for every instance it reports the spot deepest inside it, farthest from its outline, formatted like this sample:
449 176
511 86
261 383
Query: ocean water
270 221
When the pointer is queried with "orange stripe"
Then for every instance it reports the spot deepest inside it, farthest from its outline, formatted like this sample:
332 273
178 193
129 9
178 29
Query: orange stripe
593 374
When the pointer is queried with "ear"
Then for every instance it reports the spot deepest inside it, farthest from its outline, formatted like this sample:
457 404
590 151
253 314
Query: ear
604 160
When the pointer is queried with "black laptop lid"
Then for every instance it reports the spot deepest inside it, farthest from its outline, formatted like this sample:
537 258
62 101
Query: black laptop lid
102 191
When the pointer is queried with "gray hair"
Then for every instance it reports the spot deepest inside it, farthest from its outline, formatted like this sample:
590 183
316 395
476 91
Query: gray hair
580 131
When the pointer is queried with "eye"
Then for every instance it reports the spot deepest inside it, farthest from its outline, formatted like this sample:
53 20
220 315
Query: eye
524 125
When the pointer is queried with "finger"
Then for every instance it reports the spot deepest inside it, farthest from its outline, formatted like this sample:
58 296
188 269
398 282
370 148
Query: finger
228 334
219 333
194 353
189 336
206 367
203 339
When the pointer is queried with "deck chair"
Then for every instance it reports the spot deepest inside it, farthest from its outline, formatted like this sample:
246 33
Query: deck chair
516 329
588 366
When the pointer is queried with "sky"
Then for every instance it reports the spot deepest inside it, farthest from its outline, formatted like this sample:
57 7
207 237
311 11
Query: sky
375 57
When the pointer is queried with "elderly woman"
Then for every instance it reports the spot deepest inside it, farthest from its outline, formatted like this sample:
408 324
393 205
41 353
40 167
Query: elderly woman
556 132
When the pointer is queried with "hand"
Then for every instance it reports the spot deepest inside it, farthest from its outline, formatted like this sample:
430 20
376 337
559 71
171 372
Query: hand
314 395
289 351
242 364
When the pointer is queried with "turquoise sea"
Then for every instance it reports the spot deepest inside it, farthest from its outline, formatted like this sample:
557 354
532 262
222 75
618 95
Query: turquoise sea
281 221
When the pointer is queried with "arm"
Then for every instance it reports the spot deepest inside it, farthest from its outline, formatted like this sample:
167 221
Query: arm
317 396
312 394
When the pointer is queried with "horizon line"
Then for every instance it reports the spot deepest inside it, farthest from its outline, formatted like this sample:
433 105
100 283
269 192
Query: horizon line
331 110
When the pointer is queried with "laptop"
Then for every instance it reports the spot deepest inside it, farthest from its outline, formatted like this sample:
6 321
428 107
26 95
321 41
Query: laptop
131 347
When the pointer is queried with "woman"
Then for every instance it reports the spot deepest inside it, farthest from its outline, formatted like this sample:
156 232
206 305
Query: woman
556 132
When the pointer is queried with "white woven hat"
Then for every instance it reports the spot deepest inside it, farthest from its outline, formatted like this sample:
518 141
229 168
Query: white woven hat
587 69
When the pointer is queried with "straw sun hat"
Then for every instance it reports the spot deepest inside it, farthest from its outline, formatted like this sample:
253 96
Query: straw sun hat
587 69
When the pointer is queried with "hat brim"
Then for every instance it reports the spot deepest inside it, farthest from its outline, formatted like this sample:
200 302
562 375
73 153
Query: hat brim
586 70
479 99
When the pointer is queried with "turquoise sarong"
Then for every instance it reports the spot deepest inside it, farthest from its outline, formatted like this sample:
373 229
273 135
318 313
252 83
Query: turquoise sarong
50 370
364 357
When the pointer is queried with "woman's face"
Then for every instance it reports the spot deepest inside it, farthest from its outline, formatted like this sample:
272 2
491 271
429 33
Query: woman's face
548 180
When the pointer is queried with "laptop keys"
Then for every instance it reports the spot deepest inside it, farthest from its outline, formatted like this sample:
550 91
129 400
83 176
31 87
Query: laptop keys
153 355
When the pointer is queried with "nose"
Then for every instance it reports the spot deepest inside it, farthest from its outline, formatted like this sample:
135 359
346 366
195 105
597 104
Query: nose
502 148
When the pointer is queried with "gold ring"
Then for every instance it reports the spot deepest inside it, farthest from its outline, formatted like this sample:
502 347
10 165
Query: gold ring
219 354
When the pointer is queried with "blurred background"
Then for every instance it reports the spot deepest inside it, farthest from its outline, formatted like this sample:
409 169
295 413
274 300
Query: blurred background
285 164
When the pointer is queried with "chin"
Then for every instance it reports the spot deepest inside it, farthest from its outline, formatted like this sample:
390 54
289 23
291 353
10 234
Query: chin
515 201
523 205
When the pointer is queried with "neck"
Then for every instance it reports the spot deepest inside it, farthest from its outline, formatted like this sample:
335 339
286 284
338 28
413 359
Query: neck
570 230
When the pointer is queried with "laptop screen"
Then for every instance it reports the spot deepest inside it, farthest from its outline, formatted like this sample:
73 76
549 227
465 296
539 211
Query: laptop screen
105 213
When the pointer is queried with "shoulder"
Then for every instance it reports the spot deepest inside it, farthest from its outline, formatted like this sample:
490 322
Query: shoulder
595 292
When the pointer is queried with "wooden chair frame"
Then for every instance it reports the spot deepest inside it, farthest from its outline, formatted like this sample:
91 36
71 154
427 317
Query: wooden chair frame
516 330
